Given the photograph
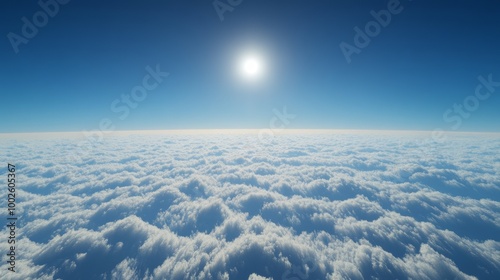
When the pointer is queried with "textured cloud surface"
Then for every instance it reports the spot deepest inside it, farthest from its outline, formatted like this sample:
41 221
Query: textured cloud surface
302 206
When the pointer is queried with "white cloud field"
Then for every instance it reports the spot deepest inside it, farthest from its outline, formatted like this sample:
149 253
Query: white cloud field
350 205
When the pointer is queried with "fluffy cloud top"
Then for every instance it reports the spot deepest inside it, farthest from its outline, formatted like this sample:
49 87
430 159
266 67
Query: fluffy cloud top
323 206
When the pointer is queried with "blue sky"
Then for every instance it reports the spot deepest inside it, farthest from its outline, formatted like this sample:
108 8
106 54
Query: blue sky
427 58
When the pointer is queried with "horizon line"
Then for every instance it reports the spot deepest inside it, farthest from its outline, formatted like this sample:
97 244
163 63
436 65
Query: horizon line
228 131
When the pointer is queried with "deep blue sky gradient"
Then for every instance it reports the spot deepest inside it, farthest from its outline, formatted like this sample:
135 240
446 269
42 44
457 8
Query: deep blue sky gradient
427 59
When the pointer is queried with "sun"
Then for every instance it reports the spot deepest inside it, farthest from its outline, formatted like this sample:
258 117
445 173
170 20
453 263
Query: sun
251 67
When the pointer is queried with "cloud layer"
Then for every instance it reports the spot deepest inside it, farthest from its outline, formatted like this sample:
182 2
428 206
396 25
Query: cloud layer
325 206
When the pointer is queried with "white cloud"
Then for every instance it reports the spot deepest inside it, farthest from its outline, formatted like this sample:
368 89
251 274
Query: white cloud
324 206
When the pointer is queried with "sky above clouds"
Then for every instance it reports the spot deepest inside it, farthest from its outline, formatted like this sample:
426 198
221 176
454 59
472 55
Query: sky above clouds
424 61
226 206
252 139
